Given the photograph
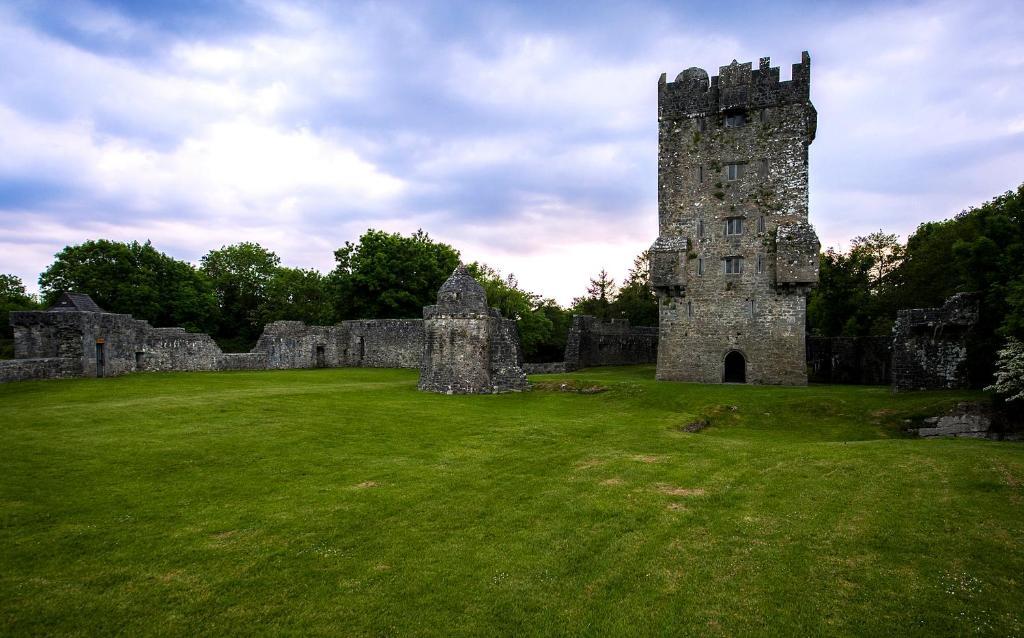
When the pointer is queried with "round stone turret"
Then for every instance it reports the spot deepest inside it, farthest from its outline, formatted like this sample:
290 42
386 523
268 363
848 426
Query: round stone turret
694 79
462 293
468 347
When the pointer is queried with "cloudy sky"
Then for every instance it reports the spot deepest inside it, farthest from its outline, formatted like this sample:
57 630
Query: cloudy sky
524 134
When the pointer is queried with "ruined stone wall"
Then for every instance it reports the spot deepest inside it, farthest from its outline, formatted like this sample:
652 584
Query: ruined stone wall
735 256
557 367
242 361
31 369
592 342
382 343
368 343
506 356
853 360
929 350
64 344
175 349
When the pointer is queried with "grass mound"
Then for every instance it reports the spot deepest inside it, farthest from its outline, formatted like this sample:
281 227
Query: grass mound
344 502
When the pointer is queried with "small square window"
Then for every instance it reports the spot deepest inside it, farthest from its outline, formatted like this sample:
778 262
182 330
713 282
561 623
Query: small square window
734 171
735 120
733 265
761 224
734 226
760 264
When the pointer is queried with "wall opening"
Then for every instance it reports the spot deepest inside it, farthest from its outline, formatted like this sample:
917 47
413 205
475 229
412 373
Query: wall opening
735 368
100 358
140 361
321 357
361 343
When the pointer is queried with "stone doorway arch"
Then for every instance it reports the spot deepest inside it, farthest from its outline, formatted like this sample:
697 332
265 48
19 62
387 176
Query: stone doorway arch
735 368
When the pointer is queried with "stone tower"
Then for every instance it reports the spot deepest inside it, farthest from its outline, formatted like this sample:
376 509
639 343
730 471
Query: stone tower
469 348
735 256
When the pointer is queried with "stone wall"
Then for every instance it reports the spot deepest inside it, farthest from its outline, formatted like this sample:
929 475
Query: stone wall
544 368
76 343
30 369
592 342
383 343
854 360
929 345
367 343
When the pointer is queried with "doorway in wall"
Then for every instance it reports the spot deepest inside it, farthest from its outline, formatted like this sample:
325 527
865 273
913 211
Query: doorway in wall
100 358
735 368
321 357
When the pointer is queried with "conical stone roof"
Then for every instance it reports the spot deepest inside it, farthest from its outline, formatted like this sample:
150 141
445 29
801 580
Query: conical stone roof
461 292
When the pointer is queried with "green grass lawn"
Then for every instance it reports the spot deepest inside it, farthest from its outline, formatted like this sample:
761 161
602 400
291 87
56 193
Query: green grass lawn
344 502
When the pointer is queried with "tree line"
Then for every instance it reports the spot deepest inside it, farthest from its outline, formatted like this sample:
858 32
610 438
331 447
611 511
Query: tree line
979 250
238 289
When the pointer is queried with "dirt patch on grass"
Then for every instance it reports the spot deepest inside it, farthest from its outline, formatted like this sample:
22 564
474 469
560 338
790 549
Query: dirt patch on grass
672 490
568 386
589 463
694 426
612 481
648 458
677 507
367 484
223 536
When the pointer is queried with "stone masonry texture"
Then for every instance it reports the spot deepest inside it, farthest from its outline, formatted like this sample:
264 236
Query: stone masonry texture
929 345
592 342
469 348
67 341
736 256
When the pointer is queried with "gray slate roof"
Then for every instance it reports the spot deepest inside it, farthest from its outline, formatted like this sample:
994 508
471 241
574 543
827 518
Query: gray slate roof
74 302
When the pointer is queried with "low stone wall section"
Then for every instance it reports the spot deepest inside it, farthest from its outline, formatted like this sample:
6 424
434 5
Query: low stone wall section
592 342
544 368
242 361
31 369
369 343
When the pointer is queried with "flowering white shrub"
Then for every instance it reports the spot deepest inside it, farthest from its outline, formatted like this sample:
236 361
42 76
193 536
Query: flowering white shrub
1010 371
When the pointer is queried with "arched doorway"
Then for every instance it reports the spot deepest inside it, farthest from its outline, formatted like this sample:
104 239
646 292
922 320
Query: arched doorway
735 368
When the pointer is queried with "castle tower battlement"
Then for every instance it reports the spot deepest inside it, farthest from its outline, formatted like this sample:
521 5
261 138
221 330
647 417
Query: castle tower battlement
737 86
736 254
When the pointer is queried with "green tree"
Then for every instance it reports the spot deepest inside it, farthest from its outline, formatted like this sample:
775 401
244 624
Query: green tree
135 279
636 300
839 305
241 275
13 297
979 250
297 294
601 293
883 251
532 314
387 275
